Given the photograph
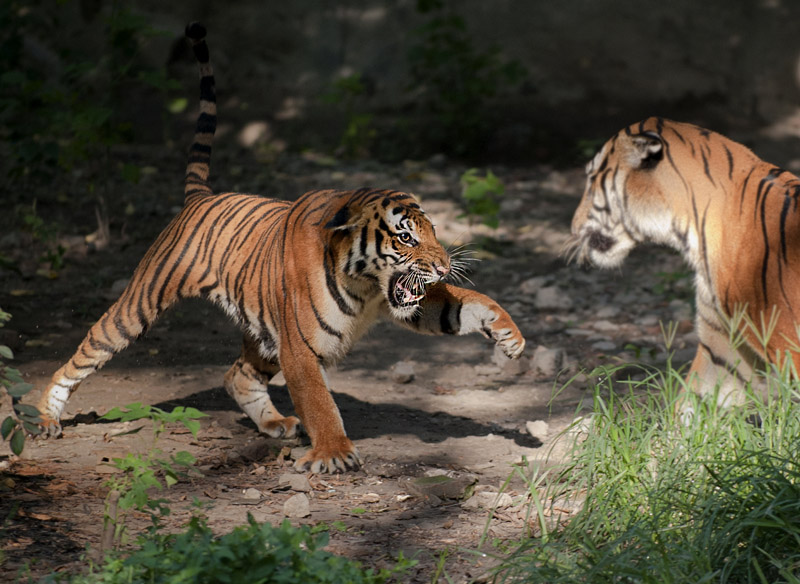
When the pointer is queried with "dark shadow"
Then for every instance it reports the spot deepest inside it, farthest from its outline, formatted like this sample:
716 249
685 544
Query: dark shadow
363 419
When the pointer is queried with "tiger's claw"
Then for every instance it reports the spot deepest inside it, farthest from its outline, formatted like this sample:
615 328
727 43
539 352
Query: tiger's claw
317 460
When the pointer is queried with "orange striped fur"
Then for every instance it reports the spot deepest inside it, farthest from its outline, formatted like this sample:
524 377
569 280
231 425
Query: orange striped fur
732 216
304 280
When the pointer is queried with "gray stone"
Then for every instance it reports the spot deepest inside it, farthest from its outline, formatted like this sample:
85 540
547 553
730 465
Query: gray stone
538 429
441 486
604 346
552 298
533 285
297 506
507 365
488 500
546 362
296 482
252 493
403 372
607 312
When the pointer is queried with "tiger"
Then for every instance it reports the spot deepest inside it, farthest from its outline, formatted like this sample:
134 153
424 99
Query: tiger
304 280
735 221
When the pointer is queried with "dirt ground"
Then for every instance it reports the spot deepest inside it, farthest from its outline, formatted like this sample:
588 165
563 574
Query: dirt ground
462 414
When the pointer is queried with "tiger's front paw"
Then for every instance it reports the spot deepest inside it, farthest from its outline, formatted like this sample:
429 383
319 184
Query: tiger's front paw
507 336
49 428
281 427
330 458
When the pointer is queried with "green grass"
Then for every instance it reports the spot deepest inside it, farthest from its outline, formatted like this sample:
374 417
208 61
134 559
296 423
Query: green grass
715 498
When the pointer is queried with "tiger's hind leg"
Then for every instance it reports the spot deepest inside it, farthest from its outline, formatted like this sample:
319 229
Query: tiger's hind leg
122 324
246 382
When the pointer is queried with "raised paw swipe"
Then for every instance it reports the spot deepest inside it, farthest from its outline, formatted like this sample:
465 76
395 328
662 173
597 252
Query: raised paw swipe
507 336
330 460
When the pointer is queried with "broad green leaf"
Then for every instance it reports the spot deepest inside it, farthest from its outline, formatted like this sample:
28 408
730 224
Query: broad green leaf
7 426
17 441
19 389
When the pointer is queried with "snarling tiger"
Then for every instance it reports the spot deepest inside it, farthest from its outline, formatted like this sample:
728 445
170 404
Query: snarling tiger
735 220
304 280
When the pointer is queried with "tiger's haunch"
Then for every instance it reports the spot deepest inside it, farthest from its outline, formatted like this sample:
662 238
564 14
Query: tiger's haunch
735 220
304 281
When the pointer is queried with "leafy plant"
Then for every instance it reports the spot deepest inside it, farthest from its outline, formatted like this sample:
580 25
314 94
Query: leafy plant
60 112
251 553
452 78
27 417
348 92
142 473
663 497
481 195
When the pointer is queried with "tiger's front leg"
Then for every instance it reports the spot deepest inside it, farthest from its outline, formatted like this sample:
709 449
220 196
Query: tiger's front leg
246 381
448 309
331 449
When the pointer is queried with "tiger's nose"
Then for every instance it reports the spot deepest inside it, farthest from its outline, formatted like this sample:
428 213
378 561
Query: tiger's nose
441 270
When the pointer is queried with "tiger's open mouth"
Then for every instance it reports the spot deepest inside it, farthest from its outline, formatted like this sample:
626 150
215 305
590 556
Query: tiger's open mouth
406 289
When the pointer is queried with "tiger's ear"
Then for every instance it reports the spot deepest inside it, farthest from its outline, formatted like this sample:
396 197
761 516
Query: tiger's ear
343 220
647 151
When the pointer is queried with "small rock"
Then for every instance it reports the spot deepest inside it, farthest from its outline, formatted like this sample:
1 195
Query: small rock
296 482
488 500
252 493
507 365
441 486
297 506
604 346
606 312
546 362
256 450
403 372
647 320
532 285
605 325
552 298
538 429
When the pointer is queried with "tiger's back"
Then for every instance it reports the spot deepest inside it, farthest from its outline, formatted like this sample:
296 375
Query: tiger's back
303 280
733 217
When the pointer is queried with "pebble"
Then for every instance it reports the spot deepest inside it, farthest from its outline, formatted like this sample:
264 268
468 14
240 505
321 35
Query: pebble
488 500
441 486
605 325
296 482
547 362
538 429
403 372
252 493
552 298
297 506
507 365
604 346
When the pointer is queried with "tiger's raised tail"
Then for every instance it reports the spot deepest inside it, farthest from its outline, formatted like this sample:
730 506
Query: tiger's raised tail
198 168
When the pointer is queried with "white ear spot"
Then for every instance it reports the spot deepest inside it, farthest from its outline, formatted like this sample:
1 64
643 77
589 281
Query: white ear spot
647 151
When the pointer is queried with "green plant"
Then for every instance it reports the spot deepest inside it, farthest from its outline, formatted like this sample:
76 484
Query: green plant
27 417
452 79
60 113
671 498
142 473
481 195
250 553
348 92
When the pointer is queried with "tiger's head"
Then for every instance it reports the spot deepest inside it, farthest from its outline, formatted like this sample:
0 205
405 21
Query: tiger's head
392 243
625 200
